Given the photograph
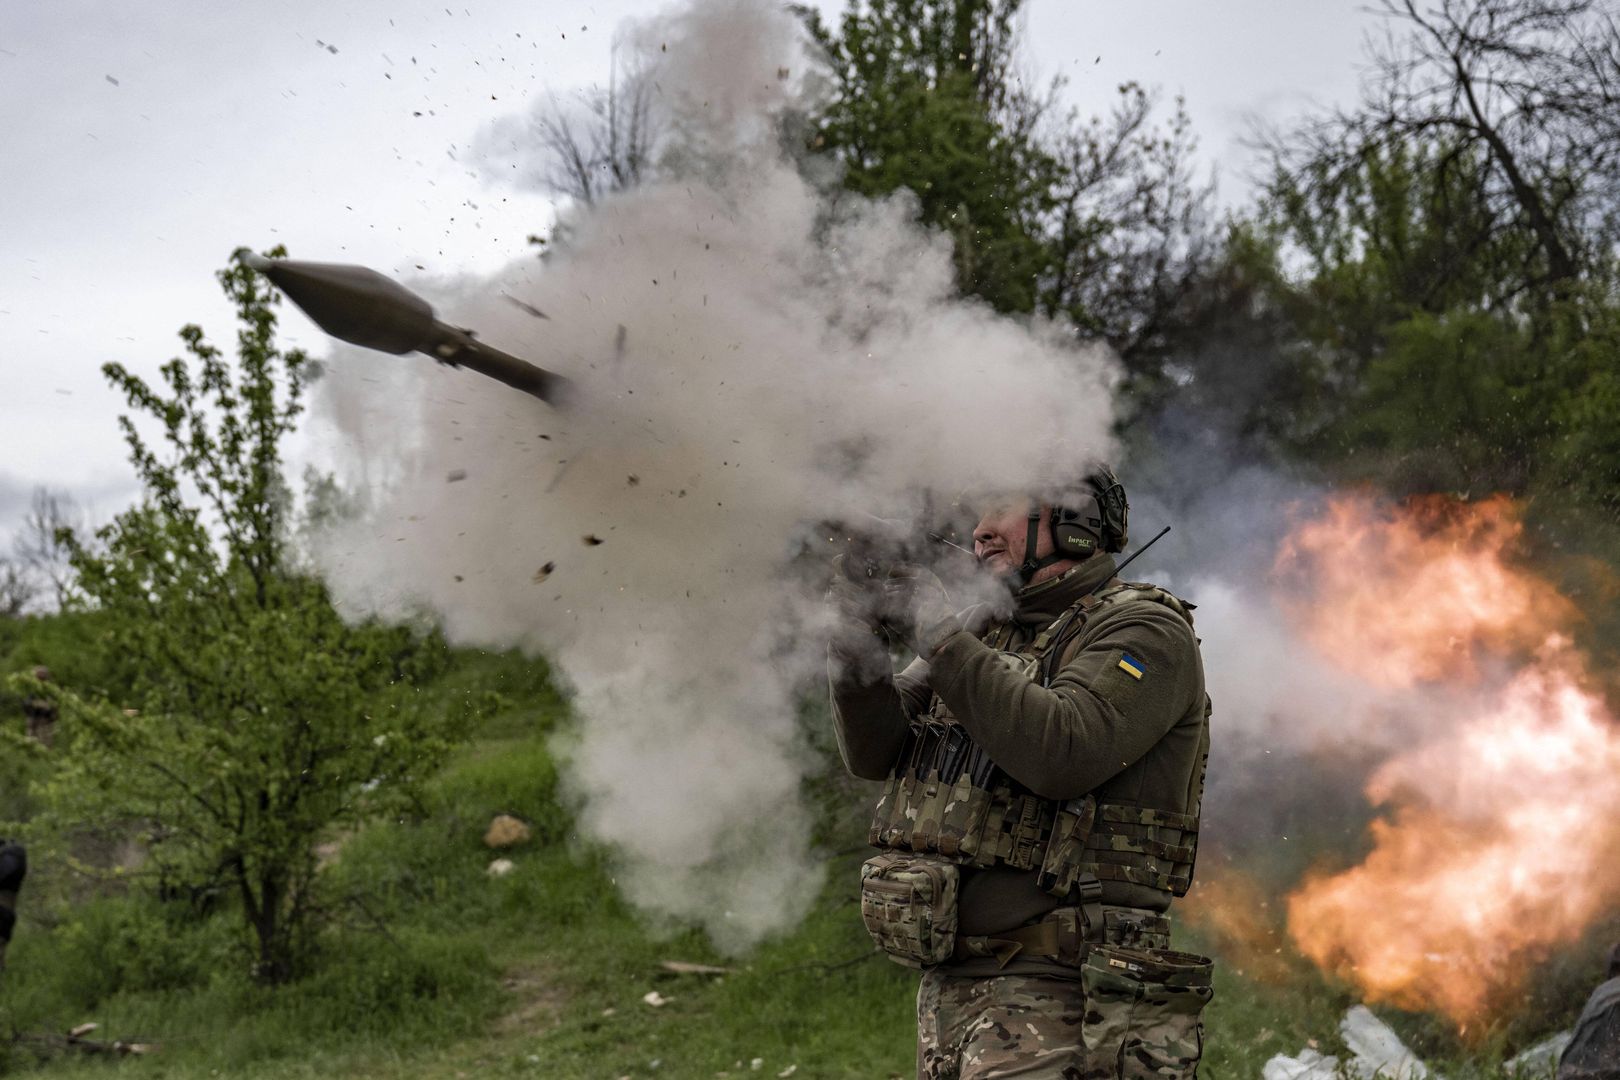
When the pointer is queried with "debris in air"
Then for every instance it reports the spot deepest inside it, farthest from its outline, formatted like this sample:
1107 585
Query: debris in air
112 80
454 475
591 540
542 573
530 308
632 480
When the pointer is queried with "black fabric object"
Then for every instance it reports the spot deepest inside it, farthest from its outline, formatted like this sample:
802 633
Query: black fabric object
13 866
1594 1052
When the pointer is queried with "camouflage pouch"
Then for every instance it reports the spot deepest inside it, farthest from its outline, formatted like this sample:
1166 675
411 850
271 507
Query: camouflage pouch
963 818
931 795
884 813
908 903
1060 869
1144 1008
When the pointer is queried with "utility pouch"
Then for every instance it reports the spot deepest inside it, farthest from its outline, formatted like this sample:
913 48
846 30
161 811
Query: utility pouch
962 816
897 823
886 808
908 903
1144 1008
985 843
1060 869
931 795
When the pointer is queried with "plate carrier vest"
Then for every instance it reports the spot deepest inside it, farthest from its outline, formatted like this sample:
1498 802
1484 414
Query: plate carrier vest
946 798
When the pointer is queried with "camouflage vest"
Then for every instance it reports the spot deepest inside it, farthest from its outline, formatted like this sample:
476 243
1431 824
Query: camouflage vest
946 798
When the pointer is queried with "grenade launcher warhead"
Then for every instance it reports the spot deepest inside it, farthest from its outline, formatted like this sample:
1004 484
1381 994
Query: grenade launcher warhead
360 306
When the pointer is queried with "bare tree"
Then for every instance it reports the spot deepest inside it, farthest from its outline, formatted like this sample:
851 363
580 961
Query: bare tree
41 547
1129 234
1525 93
607 145
18 589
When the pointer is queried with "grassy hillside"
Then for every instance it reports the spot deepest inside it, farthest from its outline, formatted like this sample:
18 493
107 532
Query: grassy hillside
437 969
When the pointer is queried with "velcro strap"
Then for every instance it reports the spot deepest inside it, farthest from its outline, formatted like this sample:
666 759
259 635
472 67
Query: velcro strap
1139 845
1144 815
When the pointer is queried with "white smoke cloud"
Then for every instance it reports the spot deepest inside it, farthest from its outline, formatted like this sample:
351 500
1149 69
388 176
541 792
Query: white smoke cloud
749 359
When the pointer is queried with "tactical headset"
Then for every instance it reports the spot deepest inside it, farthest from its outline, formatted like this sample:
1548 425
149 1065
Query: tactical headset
1095 518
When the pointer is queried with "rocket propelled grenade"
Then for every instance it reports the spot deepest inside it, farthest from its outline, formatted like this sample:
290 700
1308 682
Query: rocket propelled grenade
362 307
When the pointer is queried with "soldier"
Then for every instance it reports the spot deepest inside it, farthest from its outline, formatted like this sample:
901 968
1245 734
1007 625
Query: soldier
1043 774
13 867
1593 1052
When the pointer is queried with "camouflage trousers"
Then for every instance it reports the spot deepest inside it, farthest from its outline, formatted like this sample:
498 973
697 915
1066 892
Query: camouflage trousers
1043 1028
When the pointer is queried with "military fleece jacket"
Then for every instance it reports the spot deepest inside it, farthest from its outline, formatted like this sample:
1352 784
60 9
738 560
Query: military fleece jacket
1096 730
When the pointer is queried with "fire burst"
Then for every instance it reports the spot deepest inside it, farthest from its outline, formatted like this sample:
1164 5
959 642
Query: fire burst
1502 827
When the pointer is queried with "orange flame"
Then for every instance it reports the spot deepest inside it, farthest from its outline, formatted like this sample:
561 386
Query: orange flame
1502 826
1409 594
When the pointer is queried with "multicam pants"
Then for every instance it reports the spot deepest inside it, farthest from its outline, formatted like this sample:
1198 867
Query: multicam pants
1044 1029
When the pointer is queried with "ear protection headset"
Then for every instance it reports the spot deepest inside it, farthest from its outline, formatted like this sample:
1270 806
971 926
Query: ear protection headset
1096 518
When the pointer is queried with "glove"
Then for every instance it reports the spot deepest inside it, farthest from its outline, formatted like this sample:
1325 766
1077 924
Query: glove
930 616
857 607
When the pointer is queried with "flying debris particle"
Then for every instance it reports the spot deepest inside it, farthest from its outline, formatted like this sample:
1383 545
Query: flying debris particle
546 437
632 480
454 475
591 540
544 572
319 44
110 79
530 308
458 578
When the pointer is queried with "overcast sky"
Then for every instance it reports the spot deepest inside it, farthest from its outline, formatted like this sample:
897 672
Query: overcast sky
141 143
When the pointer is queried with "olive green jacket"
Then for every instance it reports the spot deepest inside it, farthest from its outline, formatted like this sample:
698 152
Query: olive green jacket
1097 730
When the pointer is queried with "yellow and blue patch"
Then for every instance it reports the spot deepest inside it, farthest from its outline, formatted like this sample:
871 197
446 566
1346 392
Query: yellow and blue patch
1131 666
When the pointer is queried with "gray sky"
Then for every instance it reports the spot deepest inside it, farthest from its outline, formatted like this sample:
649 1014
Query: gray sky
144 141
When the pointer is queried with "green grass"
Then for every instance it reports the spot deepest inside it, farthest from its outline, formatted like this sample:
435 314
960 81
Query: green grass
433 968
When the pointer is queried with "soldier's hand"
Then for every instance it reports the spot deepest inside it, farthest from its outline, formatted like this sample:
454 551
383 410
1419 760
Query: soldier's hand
930 615
855 598
856 604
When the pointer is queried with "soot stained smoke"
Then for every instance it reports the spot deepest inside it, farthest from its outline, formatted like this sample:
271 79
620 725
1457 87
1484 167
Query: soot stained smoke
759 358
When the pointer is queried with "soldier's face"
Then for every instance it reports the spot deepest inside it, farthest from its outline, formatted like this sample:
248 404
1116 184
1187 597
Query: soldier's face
1000 537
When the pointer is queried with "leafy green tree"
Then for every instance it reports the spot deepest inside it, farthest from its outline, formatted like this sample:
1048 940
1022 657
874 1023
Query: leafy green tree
244 720
1429 282
923 101
1095 220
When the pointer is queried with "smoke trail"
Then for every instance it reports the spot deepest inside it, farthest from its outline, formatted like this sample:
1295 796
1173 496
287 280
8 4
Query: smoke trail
751 358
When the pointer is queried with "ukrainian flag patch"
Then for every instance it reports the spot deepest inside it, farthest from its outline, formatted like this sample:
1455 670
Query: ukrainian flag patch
1131 666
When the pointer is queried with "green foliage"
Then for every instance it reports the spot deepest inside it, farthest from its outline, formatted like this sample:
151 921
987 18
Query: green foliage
918 92
242 720
1095 221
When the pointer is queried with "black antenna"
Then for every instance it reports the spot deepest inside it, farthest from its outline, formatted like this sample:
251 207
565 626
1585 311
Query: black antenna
1120 568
